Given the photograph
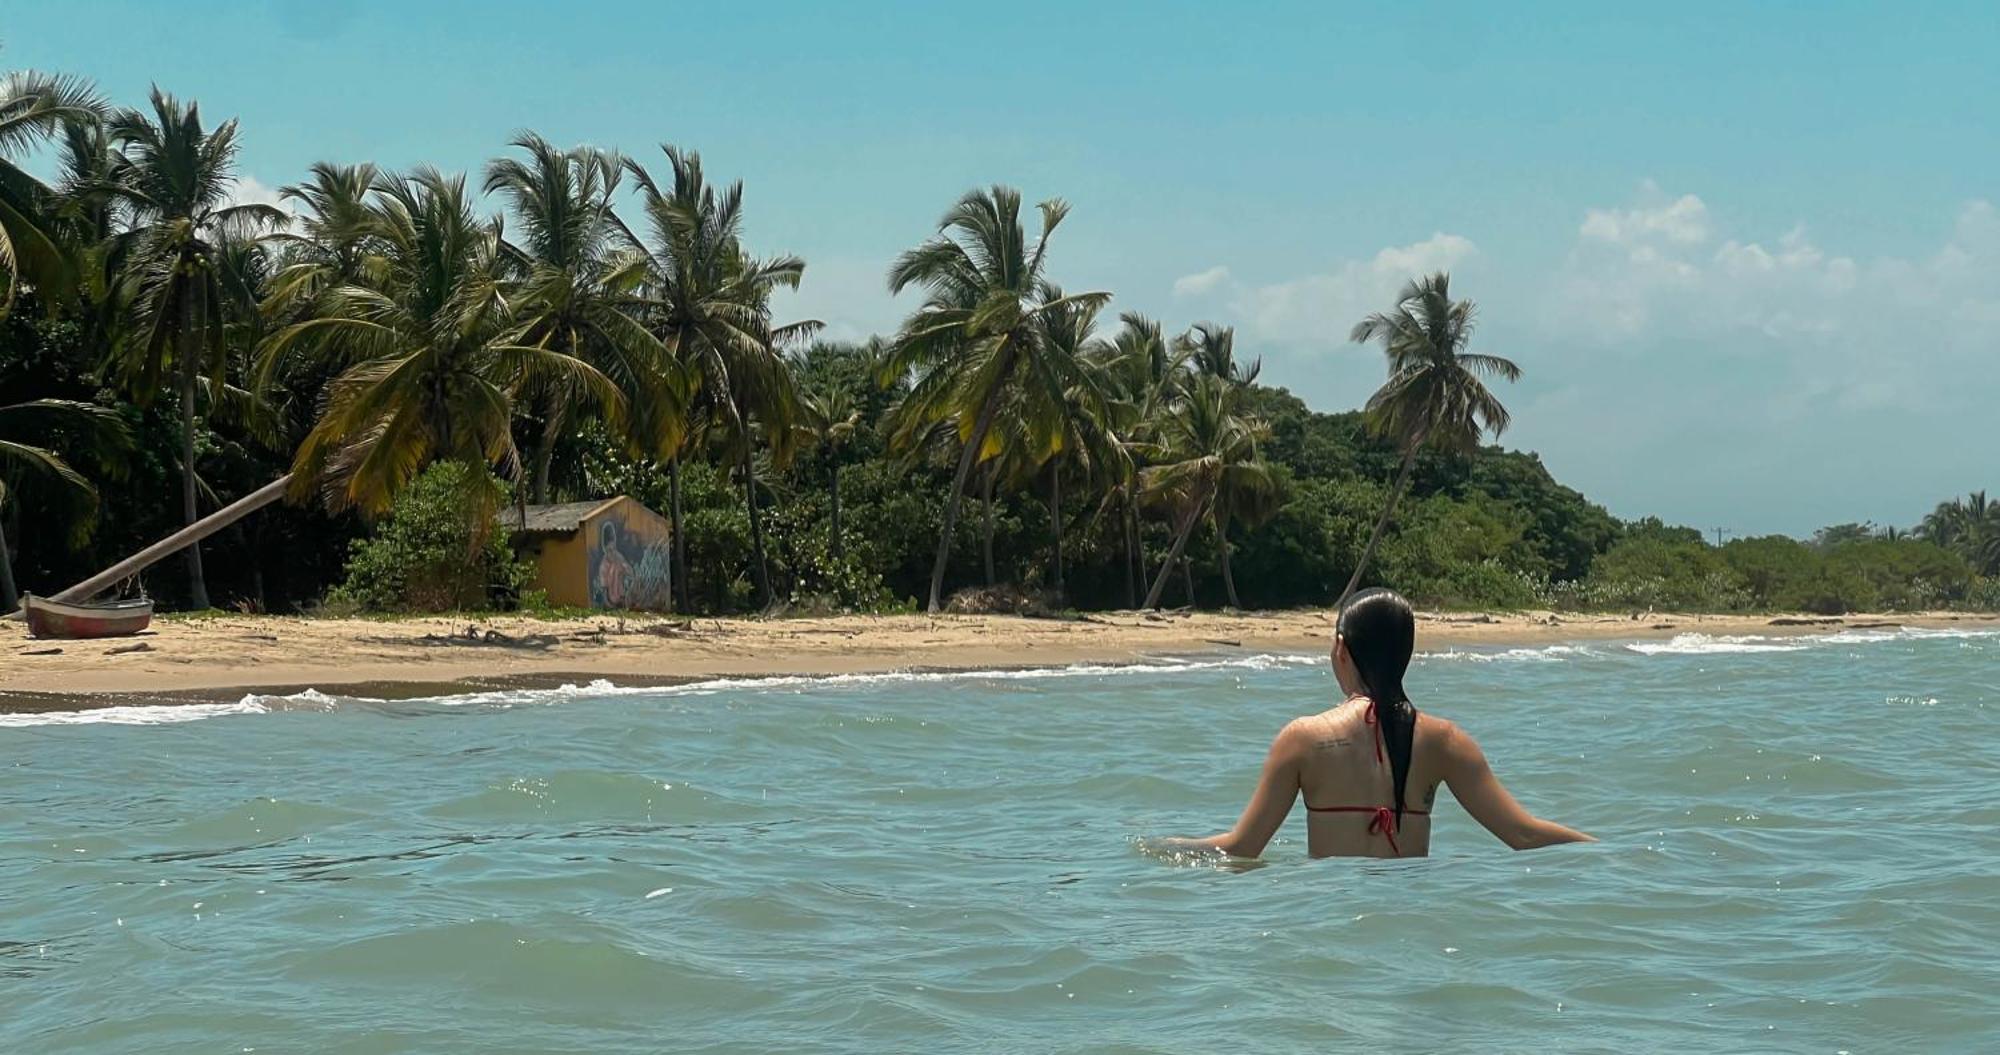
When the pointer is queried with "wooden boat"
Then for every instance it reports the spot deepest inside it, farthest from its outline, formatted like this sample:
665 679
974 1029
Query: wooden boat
60 619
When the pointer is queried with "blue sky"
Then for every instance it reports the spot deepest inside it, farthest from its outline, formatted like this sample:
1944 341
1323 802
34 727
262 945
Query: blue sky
1748 255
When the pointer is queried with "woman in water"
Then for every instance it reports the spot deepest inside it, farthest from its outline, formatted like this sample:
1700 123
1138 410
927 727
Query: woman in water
1370 767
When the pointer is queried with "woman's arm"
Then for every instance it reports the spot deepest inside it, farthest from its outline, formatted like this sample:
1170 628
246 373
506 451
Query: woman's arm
1475 787
1277 787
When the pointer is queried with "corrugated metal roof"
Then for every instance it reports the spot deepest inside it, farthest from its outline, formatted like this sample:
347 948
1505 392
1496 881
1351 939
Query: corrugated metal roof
560 519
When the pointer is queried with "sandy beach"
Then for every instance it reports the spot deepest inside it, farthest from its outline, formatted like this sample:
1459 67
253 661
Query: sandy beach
210 657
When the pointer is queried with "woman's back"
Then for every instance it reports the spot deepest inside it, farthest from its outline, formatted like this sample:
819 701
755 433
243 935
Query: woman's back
1352 763
1347 784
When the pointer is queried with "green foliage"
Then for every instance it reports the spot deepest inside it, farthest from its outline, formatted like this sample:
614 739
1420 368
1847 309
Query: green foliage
436 551
401 323
1653 570
1461 553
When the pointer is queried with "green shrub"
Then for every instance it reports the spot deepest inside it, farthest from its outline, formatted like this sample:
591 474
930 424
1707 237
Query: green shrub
1656 569
436 551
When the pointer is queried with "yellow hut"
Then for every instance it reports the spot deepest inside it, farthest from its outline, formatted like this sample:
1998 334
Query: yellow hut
607 553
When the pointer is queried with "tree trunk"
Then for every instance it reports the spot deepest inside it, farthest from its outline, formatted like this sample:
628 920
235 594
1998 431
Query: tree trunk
966 458
176 542
1187 577
1222 541
1173 555
545 453
1055 521
678 544
986 532
833 488
197 583
9 599
1381 523
1138 541
758 569
1127 521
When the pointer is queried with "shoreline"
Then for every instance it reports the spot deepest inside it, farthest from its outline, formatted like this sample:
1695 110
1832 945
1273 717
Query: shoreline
220 658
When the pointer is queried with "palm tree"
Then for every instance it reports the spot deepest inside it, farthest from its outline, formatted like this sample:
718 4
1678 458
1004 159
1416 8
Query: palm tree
328 243
1968 526
1211 350
1434 396
175 182
830 419
1208 453
1069 411
34 107
979 331
1141 373
97 427
561 202
710 302
431 360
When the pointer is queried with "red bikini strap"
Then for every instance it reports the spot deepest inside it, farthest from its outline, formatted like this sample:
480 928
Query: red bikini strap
1369 716
1384 824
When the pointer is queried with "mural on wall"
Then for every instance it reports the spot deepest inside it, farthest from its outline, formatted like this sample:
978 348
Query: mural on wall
630 565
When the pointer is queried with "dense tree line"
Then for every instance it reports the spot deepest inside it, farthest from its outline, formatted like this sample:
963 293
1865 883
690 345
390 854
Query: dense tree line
419 350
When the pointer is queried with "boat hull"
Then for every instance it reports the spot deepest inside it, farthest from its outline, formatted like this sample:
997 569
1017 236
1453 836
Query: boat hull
71 622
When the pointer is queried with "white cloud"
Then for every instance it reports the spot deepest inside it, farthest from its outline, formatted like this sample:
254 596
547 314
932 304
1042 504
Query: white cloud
250 190
1201 282
1682 221
1318 310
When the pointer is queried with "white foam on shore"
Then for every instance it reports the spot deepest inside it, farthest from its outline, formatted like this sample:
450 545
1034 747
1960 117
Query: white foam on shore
316 700
1547 654
140 714
1703 645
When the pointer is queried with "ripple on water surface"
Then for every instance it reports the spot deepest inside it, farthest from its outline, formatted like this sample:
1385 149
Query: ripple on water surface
1797 856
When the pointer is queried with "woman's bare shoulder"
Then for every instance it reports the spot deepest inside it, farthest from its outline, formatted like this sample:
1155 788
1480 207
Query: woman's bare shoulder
1442 735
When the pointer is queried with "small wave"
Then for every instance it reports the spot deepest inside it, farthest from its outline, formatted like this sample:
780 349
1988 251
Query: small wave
135 714
1549 654
1703 644
316 700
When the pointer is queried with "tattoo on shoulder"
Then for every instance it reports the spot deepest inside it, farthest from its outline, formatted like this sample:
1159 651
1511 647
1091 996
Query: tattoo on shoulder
1333 741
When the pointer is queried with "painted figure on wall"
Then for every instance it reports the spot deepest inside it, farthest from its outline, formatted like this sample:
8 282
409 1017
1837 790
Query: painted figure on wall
627 570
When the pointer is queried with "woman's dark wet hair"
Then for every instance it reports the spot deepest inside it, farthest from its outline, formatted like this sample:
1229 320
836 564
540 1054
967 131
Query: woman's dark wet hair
1380 630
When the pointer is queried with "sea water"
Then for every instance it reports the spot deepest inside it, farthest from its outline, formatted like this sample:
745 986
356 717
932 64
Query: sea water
1801 852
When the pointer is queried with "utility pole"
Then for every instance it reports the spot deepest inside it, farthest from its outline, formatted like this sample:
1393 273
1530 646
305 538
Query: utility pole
1719 532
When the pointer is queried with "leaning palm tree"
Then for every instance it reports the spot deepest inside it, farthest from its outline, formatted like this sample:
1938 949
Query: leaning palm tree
98 428
175 183
1434 396
35 107
709 302
1208 454
431 362
561 202
978 333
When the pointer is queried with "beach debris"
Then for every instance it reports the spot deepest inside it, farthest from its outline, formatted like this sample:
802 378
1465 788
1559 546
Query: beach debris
139 646
490 638
1794 620
41 652
1223 641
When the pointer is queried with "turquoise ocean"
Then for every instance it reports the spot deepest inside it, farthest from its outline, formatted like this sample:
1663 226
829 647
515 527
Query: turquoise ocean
1801 853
